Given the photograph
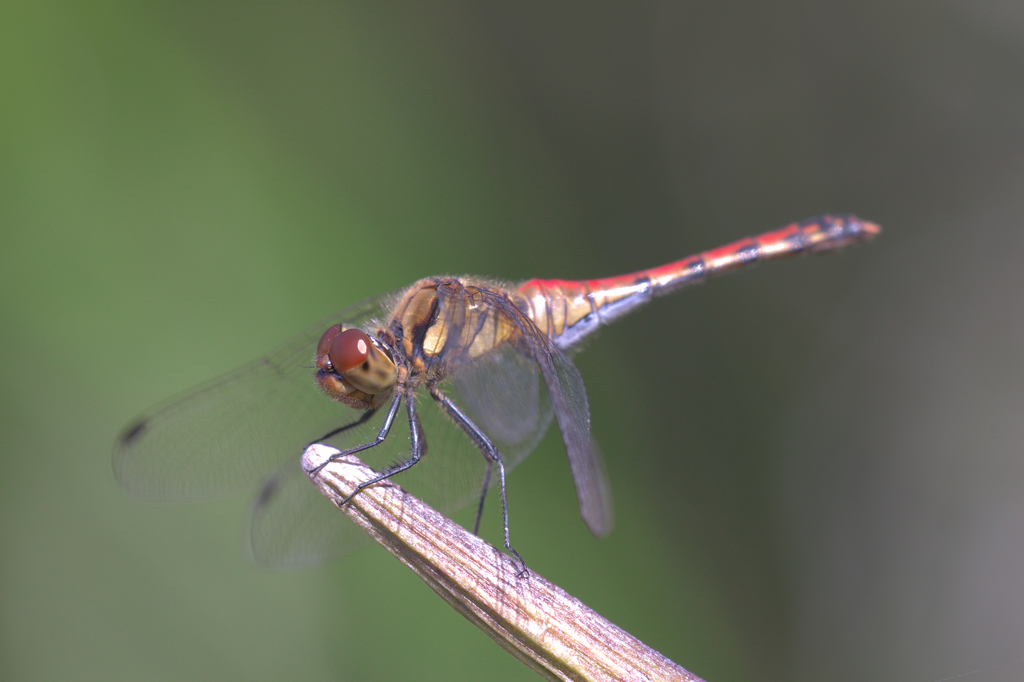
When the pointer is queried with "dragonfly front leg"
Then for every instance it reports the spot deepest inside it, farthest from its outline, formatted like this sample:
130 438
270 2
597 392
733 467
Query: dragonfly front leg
418 442
492 455
362 420
385 428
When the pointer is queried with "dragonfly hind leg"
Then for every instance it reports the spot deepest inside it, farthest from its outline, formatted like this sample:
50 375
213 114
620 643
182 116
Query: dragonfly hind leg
483 496
493 457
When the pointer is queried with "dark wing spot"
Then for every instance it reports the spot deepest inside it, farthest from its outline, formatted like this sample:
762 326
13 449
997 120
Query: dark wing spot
268 491
132 433
366 365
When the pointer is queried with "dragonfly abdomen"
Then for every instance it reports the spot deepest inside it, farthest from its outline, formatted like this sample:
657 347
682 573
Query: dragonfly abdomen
567 311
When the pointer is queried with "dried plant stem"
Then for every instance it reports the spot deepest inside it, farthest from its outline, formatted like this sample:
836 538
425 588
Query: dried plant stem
537 622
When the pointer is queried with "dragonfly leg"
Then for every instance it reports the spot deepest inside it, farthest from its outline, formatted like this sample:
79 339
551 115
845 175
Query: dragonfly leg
490 452
273 482
385 428
483 497
362 420
418 442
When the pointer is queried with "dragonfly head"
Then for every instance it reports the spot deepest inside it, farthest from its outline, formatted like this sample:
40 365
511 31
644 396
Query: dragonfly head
353 368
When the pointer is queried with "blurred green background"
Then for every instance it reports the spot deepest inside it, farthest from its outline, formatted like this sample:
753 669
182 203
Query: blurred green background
817 464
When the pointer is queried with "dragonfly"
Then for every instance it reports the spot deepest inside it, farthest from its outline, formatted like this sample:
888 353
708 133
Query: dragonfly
463 374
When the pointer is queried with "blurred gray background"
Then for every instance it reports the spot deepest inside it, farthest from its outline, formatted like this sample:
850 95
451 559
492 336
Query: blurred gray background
818 465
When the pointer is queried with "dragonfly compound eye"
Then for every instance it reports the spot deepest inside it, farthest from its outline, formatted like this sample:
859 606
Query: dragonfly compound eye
349 349
354 356
323 347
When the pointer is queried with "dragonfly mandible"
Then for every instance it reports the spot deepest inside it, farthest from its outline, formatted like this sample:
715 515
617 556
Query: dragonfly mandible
480 367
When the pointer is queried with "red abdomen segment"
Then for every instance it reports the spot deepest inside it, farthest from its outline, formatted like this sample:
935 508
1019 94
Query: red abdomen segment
567 311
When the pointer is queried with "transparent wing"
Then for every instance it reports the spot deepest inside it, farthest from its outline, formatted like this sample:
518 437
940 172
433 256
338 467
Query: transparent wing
501 392
504 394
569 398
293 525
234 431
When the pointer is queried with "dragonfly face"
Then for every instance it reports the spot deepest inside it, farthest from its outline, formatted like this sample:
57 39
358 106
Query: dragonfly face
353 368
